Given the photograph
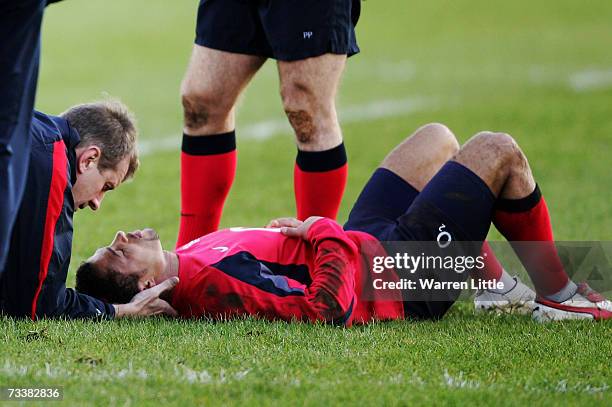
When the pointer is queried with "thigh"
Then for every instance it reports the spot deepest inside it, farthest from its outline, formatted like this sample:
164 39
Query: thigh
385 197
232 26
300 29
318 76
455 205
219 75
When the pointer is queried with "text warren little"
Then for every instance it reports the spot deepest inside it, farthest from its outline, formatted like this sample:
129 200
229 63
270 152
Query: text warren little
431 284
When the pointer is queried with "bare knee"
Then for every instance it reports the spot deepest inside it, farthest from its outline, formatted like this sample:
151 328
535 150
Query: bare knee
204 111
312 116
501 148
497 159
299 104
441 137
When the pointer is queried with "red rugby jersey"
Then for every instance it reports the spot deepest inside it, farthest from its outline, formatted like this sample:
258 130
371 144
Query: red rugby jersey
257 271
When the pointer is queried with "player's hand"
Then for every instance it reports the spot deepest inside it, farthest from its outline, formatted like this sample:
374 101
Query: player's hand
284 222
147 302
300 230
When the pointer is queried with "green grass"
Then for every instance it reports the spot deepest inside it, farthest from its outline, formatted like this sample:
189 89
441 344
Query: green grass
502 360
477 65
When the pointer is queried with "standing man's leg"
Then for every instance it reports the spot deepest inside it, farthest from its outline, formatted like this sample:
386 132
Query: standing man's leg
311 41
20 23
230 48
213 82
308 91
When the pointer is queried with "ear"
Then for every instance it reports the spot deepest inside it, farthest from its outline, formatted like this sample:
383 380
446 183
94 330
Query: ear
88 158
147 283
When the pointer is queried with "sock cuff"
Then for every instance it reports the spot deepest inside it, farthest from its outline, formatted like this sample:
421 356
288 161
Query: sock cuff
321 161
522 204
209 145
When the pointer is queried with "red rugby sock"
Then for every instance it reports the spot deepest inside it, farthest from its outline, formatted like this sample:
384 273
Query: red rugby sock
208 167
528 220
492 269
319 180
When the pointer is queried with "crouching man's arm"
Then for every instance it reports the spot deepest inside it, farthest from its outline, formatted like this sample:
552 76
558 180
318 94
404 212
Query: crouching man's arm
68 303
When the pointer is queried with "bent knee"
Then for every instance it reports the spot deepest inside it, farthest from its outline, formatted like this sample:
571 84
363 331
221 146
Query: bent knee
502 145
496 140
442 137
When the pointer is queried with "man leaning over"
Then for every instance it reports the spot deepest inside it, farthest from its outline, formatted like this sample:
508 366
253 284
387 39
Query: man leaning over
75 159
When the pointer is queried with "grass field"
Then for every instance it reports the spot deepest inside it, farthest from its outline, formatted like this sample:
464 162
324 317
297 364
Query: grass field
541 71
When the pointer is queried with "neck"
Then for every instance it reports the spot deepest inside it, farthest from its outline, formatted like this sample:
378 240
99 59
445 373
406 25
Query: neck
171 266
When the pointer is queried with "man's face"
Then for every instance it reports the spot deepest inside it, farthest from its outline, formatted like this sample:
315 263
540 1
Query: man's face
92 183
135 253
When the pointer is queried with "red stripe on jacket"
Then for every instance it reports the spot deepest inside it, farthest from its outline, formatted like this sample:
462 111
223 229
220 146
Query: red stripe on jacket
59 180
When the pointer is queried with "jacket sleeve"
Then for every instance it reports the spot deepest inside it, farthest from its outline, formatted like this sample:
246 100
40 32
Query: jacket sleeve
67 303
74 305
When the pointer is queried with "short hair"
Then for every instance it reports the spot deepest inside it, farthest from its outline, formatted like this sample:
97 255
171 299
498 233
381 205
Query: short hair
106 284
109 125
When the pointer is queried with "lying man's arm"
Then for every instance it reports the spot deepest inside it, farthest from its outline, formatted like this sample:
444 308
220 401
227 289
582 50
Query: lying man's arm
334 273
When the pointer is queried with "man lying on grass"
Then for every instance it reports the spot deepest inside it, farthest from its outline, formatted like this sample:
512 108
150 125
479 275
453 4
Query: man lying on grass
313 270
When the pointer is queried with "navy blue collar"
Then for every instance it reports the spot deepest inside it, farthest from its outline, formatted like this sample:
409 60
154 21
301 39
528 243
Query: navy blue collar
71 139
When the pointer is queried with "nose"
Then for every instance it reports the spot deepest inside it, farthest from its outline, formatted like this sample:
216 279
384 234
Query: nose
95 203
120 237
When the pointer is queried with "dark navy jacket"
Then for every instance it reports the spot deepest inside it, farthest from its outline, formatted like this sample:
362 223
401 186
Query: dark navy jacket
34 280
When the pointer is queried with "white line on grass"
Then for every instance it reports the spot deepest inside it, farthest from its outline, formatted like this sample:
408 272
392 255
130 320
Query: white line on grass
268 128
10 370
592 79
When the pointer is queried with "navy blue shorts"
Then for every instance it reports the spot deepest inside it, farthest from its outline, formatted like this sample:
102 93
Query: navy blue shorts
455 201
286 30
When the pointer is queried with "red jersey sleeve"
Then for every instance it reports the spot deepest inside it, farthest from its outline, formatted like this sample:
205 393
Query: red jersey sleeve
335 258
